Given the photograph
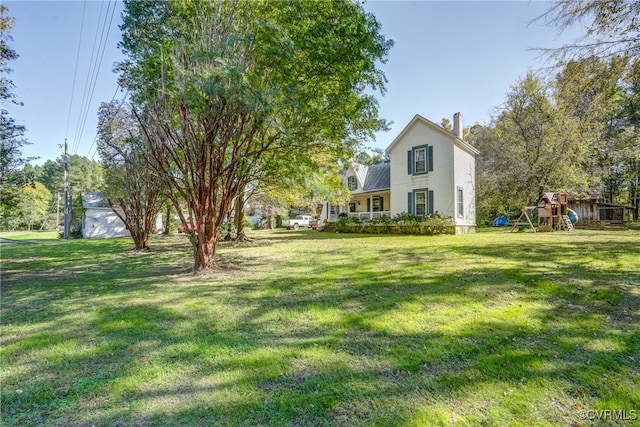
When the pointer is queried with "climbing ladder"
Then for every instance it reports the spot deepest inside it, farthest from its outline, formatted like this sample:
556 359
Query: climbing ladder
568 225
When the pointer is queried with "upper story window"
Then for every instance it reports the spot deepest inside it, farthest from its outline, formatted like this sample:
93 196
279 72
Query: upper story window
352 183
420 160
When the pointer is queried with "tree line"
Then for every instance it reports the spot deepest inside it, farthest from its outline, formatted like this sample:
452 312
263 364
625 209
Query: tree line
577 131
36 200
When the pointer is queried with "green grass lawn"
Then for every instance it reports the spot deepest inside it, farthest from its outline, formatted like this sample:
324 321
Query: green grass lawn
314 329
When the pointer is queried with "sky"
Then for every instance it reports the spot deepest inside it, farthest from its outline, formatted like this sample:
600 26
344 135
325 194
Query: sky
448 57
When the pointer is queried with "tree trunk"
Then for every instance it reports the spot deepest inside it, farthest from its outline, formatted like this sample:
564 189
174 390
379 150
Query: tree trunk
137 219
140 239
204 252
241 236
167 227
269 219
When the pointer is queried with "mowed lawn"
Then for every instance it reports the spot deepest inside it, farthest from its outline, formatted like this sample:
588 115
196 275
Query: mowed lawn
318 329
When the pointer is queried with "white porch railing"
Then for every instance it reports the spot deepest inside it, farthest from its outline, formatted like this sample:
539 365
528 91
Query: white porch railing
369 215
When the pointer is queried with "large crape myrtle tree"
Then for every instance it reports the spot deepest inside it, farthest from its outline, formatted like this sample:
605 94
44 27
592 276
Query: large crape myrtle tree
223 88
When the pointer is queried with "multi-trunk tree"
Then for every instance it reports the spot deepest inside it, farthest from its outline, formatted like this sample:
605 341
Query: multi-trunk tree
540 149
132 190
223 88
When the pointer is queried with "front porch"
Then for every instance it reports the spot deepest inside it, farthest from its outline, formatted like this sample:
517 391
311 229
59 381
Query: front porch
361 206
370 205
334 217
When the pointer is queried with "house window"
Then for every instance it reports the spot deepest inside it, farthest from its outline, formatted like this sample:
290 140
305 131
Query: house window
421 203
377 204
352 182
420 160
460 202
352 206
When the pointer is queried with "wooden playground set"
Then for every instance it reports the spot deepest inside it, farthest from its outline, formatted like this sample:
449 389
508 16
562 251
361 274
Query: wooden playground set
552 214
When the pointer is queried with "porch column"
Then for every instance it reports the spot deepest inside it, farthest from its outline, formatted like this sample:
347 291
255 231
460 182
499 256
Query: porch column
371 206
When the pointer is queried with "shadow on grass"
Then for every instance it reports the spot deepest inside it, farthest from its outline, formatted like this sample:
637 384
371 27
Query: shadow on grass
513 334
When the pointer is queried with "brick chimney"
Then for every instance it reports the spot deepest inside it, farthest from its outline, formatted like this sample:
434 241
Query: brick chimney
457 125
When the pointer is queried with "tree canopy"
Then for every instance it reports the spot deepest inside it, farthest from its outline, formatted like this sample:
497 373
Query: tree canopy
11 134
613 28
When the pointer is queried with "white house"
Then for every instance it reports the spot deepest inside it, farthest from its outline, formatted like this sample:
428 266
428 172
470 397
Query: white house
99 221
432 170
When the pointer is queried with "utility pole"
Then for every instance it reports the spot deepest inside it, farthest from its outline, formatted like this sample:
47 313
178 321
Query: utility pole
67 216
58 212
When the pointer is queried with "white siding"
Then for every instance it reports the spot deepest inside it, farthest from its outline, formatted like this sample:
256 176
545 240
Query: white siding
465 178
102 223
453 168
360 172
440 180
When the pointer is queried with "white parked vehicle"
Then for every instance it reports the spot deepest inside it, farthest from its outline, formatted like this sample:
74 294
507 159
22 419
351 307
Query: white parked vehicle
297 222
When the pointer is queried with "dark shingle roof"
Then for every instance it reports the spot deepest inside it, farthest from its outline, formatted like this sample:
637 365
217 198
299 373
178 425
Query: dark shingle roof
378 177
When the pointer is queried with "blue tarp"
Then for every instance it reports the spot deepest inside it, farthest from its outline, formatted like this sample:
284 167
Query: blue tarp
501 221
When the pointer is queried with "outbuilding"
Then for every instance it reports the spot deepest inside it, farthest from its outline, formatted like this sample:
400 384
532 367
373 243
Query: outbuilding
99 220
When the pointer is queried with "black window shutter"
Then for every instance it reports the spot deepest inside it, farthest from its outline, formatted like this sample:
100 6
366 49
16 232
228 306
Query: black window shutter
381 204
430 203
430 157
410 162
368 204
410 204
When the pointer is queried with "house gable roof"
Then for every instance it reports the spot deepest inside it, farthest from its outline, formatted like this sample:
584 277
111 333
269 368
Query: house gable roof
419 119
360 172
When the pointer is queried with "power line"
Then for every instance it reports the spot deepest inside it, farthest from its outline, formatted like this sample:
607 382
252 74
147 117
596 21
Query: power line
92 63
101 49
75 72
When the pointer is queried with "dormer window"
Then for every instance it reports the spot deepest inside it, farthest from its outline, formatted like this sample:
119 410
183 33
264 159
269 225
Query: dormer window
352 183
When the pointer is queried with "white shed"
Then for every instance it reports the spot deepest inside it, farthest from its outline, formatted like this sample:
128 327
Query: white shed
99 221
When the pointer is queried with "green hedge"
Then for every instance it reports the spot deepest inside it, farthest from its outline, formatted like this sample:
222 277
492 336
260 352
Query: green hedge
399 224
